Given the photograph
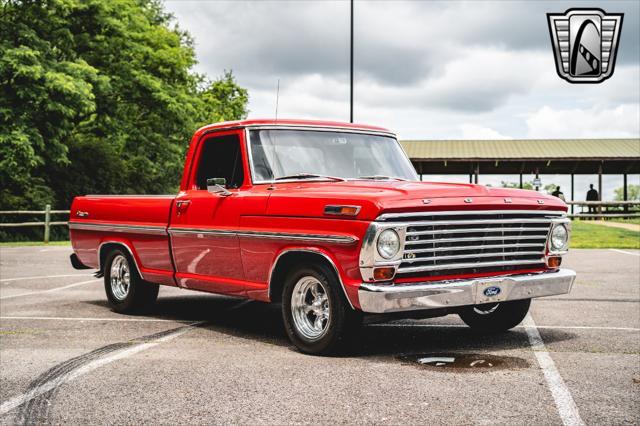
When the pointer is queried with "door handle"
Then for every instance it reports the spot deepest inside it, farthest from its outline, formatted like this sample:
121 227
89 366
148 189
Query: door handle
182 206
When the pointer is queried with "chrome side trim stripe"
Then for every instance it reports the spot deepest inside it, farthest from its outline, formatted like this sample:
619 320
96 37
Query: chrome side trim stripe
161 230
110 227
203 232
334 239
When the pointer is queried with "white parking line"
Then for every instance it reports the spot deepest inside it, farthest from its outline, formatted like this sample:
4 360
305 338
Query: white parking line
561 395
92 319
47 386
625 252
43 277
50 290
564 327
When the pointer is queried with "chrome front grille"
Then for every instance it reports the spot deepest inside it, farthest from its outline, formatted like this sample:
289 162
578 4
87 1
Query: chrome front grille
449 243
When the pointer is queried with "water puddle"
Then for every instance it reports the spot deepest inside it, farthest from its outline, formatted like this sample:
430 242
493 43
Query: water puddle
464 362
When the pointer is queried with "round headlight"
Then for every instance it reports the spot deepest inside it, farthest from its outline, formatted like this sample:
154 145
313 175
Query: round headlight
388 243
559 237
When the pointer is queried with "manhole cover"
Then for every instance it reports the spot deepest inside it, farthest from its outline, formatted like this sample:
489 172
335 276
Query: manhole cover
467 362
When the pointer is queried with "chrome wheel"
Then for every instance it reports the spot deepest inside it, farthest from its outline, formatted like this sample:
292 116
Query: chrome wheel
120 277
310 308
486 309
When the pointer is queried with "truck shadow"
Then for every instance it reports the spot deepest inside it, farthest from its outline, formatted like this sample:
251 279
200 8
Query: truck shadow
262 322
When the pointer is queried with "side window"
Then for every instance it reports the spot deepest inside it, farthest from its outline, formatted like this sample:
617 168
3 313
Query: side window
221 158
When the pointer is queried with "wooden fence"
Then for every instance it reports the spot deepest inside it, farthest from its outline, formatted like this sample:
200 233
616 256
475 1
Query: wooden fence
603 210
47 224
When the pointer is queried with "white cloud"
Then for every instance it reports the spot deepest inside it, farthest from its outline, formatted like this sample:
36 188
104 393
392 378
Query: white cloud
427 70
474 131
622 121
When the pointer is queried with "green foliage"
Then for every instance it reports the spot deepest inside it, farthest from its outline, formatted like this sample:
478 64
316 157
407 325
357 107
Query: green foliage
549 188
525 185
98 97
633 193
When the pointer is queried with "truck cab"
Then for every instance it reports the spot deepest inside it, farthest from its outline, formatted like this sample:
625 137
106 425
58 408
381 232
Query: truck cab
330 220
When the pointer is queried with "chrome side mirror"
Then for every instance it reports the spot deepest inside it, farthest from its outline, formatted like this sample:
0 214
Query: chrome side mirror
218 186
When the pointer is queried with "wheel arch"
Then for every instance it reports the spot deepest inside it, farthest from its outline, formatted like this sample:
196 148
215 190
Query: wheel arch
106 246
292 256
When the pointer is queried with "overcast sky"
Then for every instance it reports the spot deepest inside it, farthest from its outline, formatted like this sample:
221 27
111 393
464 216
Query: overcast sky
427 70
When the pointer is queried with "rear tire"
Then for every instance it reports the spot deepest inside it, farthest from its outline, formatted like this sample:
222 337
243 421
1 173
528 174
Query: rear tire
316 314
495 317
126 291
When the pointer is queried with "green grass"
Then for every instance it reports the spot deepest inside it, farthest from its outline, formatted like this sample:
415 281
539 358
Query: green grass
635 221
34 243
590 235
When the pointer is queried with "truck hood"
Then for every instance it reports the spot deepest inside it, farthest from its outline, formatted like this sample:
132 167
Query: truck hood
308 199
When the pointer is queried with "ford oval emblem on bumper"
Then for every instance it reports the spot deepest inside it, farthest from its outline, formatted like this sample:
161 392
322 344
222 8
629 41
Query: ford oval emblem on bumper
492 291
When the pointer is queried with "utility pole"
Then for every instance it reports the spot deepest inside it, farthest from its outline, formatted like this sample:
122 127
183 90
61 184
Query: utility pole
351 85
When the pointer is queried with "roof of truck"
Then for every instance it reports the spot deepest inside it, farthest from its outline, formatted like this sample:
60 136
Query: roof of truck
289 122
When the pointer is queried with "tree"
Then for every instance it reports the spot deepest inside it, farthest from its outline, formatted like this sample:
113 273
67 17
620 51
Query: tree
633 193
549 188
525 185
99 97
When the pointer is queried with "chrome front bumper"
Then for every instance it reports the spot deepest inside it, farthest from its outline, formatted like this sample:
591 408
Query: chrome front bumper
382 298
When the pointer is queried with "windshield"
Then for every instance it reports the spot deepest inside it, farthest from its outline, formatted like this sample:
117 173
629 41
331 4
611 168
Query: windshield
303 154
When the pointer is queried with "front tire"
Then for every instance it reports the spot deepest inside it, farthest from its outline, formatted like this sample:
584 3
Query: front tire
495 317
126 291
316 316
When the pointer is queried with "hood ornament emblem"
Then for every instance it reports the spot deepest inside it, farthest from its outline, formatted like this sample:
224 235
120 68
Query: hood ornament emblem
426 201
508 200
468 200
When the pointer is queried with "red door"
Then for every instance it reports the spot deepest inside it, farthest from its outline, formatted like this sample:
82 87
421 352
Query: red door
204 225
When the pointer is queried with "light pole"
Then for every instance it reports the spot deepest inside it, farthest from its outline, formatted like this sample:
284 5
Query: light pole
351 74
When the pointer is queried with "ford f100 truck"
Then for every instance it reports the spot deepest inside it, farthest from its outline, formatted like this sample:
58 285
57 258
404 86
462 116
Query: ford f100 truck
330 220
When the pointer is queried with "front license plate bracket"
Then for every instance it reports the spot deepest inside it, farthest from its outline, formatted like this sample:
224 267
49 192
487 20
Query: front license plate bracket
492 291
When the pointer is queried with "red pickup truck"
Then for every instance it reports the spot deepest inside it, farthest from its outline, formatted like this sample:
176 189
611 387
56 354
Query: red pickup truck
330 220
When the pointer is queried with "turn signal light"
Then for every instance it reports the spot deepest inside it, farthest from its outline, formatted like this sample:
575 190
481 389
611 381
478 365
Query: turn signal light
554 262
342 210
383 274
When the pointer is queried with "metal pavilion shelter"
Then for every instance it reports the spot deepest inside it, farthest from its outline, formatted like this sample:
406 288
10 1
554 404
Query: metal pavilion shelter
527 156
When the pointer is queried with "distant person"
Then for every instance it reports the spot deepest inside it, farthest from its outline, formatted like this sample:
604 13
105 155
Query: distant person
592 195
558 193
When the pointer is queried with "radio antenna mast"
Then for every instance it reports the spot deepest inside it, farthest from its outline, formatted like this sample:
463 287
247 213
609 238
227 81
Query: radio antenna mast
277 98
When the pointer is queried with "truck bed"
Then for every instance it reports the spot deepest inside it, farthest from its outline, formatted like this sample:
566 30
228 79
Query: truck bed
138 221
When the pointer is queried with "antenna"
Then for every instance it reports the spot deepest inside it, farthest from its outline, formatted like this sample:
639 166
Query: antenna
277 98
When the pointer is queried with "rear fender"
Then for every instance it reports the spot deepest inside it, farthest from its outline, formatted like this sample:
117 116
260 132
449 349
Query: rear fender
123 243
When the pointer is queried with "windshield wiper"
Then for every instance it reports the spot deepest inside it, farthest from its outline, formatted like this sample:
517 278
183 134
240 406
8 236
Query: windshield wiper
310 176
380 177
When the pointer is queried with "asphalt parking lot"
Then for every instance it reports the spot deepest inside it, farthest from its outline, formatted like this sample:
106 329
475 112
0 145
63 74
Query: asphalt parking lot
199 358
